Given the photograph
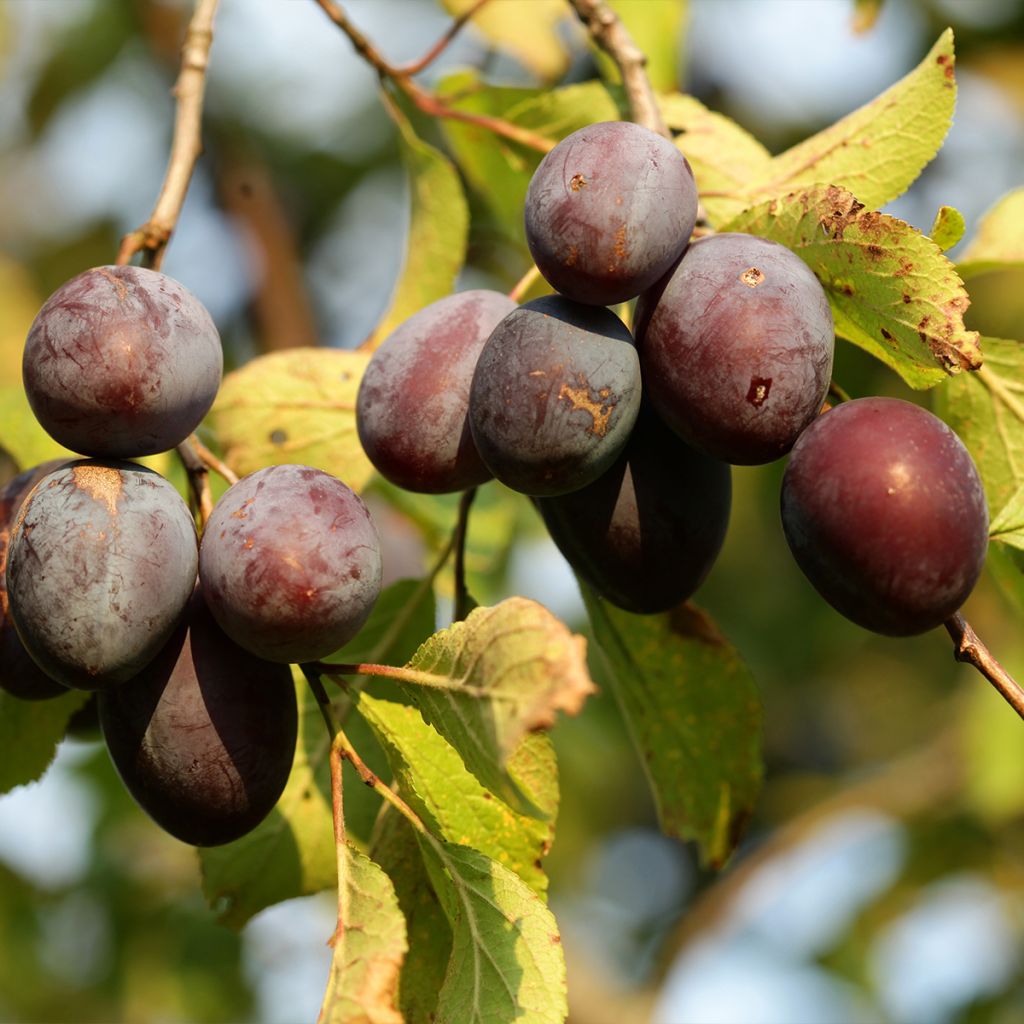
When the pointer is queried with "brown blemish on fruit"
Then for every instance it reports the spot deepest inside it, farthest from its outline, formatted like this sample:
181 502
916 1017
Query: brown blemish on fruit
600 411
570 260
621 251
577 182
101 483
752 277
757 394
119 286
240 512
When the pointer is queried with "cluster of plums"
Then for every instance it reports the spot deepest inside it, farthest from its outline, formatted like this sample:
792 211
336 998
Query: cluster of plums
106 586
881 503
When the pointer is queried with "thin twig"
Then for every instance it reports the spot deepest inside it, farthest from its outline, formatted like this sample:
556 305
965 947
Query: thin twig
525 283
198 479
416 66
370 778
210 461
429 103
312 672
462 598
186 145
972 651
613 37
340 850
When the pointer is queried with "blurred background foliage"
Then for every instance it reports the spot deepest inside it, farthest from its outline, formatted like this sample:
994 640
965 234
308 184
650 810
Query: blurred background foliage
883 876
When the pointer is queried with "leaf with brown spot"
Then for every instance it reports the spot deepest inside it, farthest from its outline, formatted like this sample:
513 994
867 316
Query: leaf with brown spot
693 711
487 682
369 947
892 291
295 406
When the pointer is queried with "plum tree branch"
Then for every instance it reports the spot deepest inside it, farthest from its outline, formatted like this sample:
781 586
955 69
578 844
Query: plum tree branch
429 103
971 651
416 66
198 474
608 31
186 145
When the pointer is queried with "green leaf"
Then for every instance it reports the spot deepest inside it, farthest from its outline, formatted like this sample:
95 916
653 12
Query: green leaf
692 708
291 852
369 946
435 246
20 433
999 240
295 406
527 29
892 291
435 783
986 409
948 227
1008 525
993 759
395 849
488 681
29 734
725 158
656 27
876 152
507 961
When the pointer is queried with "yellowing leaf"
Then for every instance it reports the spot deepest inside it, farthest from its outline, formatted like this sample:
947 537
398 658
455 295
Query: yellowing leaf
875 152
369 946
294 406
999 240
19 304
693 711
947 228
527 29
487 682
435 247
892 291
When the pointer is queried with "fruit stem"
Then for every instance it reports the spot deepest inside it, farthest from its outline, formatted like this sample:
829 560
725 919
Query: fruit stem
186 145
312 672
429 103
525 283
210 461
198 480
971 650
463 601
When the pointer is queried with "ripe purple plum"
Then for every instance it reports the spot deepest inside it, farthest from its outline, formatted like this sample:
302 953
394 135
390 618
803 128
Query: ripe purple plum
555 395
101 561
413 400
646 533
203 738
885 513
608 211
121 362
736 347
20 676
290 563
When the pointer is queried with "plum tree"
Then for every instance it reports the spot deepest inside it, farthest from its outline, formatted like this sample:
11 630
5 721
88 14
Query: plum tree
884 511
101 562
290 563
608 211
203 738
555 395
413 402
121 362
646 532
20 676
736 347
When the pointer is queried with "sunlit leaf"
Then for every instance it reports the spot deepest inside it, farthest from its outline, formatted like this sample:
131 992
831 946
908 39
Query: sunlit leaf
294 406
999 239
488 681
369 947
892 291
693 711
947 228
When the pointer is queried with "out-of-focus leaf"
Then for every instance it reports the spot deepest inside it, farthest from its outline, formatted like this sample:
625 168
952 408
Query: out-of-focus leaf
1008 525
291 852
435 246
369 946
892 291
526 29
693 711
507 961
436 784
999 240
994 761
488 681
20 433
657 28
19 304
430 938
876 152
865 14
294 406
29 734
947 228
